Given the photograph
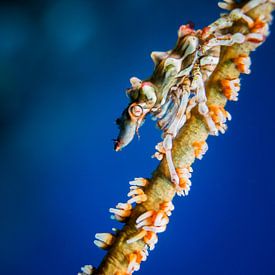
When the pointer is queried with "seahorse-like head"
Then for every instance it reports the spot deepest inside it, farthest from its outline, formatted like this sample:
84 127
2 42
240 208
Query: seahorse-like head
142 99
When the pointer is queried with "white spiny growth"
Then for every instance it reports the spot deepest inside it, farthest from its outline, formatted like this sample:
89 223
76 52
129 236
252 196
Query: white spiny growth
87 270
200 148
136 191
231 88
121 212
227 5
104 240
184 173
219 116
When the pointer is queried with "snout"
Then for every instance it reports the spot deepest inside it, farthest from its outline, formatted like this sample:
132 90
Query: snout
127 130
117 145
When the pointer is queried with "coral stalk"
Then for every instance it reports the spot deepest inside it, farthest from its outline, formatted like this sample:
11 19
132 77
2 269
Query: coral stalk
125 256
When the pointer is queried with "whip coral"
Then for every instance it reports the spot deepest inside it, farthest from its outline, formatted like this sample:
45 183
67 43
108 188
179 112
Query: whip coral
187 94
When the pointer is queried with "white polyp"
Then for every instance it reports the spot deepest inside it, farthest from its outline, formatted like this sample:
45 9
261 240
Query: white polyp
131 267
144 216
143 255
117 217
105 237
137 237
135 192
145 251
100 244
160 147
124 206
171 206
151 244
158 156
155 229
247 62
120 212
138 182
229 117
222 130
235 85
136 267
211 125
138 199
158 218
87 270
163 222
221 117
224 6
204 150
144 223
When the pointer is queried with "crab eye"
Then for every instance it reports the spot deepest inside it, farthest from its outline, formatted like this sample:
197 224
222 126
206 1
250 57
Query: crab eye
136 110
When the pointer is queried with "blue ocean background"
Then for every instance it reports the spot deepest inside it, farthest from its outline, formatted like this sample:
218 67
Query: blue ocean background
64 68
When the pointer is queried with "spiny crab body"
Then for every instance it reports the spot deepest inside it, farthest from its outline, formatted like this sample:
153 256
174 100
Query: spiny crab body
177 84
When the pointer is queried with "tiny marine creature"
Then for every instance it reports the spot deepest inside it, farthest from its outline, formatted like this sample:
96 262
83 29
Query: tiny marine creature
186 94
177 84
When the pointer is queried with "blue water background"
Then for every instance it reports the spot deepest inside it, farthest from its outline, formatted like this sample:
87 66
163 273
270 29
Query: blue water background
64 67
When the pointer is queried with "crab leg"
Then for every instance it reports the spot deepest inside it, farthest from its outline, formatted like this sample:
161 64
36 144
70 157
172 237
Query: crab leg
224 40
228 20
172 131
168 117
201 99
167 145
180 118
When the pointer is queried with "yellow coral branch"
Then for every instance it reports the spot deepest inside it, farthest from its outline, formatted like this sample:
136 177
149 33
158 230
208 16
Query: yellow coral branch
189 144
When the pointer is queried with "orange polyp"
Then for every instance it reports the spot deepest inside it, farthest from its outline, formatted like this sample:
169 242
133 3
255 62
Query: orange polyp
230 88
183 184
242 64
132 257
258 25
149 236
121 273
198 145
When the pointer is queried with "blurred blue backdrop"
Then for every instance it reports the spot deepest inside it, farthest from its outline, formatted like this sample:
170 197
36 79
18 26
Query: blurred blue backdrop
64 66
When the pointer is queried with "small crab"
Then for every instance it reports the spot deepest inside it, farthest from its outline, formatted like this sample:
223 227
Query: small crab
177 84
